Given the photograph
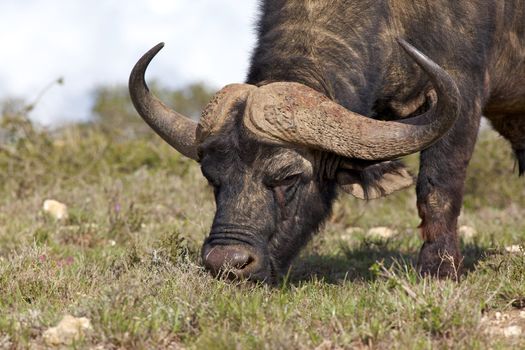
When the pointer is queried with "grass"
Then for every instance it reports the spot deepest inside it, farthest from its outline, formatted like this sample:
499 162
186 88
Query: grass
127 257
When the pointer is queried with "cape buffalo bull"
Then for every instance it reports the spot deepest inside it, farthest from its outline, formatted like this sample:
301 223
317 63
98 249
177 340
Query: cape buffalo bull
335 94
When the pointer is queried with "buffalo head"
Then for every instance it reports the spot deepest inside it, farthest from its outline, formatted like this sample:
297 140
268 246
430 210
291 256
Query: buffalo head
276 154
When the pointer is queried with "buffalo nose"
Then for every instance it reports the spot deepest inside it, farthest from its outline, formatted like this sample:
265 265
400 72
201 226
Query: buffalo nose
237 260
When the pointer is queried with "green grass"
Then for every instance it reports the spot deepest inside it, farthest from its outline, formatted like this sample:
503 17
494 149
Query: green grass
128 256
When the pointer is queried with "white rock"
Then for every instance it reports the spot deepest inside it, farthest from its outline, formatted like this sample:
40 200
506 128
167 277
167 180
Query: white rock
354 230
467 232
381 233
56 209
350 233
68 330
5 342
512 331
514 249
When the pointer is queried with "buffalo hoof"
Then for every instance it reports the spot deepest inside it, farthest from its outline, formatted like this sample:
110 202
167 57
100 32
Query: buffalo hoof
440 259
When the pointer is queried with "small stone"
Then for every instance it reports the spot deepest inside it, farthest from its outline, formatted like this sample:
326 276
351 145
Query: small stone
354 230
512 331
55 209
522 314
5 342
68 330
351 233
467 232
381 233
514 249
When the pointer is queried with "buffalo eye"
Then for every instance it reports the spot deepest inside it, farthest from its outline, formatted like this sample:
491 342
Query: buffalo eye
283 182
284 189
287 181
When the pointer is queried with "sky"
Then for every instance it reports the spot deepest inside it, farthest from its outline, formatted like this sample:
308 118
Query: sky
96 43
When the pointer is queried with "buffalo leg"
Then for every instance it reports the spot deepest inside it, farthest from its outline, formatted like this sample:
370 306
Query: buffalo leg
440 194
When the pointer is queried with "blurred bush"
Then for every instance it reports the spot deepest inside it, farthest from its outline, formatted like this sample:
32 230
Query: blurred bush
114 112
116 141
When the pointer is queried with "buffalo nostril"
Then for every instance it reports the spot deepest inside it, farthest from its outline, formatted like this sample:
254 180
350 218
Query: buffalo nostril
239 260
219 258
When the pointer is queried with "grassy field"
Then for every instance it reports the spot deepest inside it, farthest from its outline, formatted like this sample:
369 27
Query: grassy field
127 258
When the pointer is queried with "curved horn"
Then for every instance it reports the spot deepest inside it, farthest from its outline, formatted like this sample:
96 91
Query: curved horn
174 128
294 113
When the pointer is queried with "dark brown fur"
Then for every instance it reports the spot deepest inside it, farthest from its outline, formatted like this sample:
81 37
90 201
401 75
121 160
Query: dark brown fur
347 50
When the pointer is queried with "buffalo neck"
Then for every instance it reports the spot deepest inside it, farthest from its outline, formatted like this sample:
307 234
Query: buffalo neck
334 49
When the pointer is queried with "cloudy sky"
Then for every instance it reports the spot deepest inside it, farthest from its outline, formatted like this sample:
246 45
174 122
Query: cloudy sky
93 43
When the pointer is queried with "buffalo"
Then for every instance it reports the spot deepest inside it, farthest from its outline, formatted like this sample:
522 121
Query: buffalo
337 91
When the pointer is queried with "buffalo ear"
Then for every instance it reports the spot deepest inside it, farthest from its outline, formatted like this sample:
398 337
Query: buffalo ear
372 181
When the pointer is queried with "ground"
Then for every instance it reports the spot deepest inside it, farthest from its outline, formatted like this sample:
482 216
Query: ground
127 257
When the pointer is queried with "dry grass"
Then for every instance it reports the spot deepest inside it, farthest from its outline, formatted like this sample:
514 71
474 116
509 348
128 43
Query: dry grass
127 257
